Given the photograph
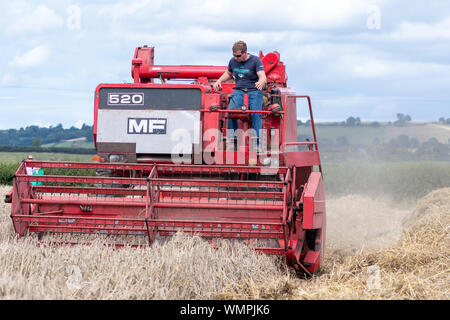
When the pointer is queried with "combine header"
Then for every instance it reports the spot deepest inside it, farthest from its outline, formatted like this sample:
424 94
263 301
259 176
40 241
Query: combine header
166 163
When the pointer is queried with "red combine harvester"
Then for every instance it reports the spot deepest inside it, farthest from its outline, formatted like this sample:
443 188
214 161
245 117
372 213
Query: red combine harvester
166 163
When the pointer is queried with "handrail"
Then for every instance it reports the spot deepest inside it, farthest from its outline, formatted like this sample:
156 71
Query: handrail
310 113
300 143
312 123
241 111
286 185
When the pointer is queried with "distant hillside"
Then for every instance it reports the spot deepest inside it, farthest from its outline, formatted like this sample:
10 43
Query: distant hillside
410 141
71 143
369 133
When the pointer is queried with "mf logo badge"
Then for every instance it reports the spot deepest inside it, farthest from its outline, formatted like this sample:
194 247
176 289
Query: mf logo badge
147 126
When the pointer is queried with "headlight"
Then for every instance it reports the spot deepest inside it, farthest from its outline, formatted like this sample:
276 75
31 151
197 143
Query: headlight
116 158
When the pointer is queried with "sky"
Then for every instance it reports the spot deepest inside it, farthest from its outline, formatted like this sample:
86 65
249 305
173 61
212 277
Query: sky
367 59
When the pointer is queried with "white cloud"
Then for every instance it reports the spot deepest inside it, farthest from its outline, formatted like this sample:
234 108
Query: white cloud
256 14
40 20
422 31
126 8
33 58
8 79
363 64
325 14
304 53
371 68
79 124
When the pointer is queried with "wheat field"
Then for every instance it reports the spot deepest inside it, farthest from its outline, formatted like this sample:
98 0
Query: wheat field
375 249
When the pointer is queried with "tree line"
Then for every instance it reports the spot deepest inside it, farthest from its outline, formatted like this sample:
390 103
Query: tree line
402 120
401 148
36 136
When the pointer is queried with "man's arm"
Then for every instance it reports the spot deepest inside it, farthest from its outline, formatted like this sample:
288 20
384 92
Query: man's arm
224 77
262 80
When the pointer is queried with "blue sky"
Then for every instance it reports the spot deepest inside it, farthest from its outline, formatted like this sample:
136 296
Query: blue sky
371 59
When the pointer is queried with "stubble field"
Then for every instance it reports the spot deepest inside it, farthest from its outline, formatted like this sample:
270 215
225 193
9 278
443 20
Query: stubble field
376 249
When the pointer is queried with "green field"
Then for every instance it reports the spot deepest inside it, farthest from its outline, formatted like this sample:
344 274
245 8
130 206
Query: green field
366 134
402 180
70 144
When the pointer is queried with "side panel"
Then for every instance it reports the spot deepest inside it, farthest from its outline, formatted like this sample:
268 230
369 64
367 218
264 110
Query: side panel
147 118
302 158
314 202
21 189
153 131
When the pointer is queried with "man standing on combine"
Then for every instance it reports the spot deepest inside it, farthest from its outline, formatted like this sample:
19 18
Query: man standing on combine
248 72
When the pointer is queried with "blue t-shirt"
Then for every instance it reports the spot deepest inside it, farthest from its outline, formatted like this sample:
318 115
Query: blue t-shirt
245 72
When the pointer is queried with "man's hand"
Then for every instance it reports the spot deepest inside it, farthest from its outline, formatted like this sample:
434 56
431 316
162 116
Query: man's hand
224 77
262 80
217 85
259 85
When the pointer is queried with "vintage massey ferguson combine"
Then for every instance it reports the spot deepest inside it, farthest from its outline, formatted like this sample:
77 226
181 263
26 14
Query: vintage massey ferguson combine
166 163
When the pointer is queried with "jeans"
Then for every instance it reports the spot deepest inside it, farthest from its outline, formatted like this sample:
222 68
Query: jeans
255 101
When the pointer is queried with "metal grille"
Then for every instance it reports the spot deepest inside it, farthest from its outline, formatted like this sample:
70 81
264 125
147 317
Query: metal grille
150 200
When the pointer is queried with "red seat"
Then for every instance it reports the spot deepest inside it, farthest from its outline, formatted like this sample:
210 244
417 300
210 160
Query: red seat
239 116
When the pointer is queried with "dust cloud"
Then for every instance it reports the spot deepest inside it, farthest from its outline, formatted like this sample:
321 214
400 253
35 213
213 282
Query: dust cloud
355 222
